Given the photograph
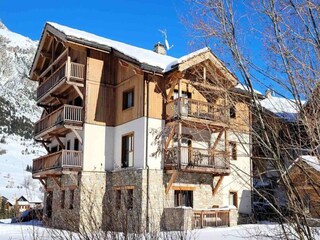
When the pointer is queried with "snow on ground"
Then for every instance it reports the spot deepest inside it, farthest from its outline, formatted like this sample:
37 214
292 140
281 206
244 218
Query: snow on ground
16 154
34 230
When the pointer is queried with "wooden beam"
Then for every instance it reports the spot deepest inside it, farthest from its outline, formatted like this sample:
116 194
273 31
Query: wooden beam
215 190
58 96
173 85
171 181
78 91
45 146
44 184
59 141
204 75
76 133
170 137
217 141
45 54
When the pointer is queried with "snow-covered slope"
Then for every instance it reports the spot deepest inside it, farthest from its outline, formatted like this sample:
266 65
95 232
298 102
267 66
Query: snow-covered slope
18 112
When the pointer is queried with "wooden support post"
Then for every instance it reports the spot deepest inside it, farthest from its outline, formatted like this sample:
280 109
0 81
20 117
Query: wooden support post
76 133
44 184
59 141
173 85
45 146
217 141
170 137
226 142
68 66
204 75
171 181
78 90
215 190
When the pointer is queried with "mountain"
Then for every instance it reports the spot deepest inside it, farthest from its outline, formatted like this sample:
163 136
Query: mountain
18 112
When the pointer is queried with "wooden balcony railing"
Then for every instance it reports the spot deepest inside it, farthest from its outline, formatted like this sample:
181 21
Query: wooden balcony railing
58 160
196 157
72 71
186 107
66 113
211 218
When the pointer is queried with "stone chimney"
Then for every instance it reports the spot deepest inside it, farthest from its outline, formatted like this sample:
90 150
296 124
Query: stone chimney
160 48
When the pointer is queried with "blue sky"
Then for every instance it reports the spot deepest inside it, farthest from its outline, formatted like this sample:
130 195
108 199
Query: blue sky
130 21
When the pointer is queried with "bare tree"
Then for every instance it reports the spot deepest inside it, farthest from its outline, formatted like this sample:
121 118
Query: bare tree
273 44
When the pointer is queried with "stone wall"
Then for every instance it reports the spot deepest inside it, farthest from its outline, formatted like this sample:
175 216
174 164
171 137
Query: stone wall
63 217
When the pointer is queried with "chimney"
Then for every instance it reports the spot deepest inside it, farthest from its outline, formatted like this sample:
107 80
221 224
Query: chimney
160 48
268 93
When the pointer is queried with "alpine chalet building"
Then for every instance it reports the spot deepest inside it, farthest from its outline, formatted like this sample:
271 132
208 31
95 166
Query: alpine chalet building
138 140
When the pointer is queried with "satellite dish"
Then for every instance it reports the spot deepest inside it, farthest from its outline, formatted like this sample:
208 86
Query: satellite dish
164 33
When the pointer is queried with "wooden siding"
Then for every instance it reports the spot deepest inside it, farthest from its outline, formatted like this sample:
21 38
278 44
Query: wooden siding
128 79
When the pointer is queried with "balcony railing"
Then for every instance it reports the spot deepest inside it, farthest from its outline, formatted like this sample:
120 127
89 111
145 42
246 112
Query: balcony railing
185 107
72 71
58 160
66 113
211 218
196 157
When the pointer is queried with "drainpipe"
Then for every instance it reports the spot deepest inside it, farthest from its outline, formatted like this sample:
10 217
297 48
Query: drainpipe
147 165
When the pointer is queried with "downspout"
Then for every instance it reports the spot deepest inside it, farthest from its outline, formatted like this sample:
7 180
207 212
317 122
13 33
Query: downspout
147 142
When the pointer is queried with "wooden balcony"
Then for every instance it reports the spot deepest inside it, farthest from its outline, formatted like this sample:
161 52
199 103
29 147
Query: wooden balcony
191 159
67 72
66 114
197 111
55 163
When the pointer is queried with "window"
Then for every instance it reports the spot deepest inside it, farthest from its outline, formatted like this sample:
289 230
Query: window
233 150
184 94
183 198
118 199
232 112
128 99
129 198
71 203
127 151
233 199
49 204
63 195
76 144
68 144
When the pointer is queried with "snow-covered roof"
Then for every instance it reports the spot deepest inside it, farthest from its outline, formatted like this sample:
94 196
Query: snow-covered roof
141 55
243 87
282 107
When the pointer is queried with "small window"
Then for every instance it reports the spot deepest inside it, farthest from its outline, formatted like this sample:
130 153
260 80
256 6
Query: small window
232 111
68 145
233 150
183 198
63 195
128 99
71 203
76 144
233 199
127 151
129 198
118 199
